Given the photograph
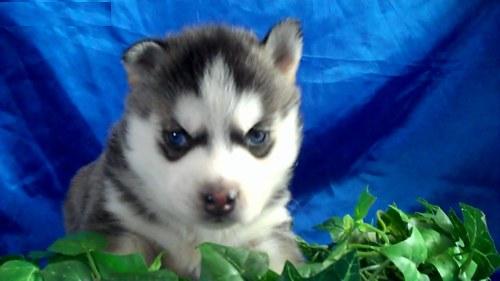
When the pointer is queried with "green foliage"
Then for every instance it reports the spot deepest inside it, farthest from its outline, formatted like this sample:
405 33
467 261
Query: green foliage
225 263
425 246
77 244
71 270
429 245
18 270
365 202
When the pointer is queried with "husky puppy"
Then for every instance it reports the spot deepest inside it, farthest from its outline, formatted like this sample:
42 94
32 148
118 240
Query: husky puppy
204 150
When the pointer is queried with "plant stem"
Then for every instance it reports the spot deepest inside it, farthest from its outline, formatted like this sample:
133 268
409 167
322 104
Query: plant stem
93 267
381 221
371 267
363 273
362 246
379 232
380 268
367 254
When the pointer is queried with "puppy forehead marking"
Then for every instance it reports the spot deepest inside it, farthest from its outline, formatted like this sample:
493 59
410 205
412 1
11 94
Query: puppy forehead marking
248 111
219 104
218 93
190 113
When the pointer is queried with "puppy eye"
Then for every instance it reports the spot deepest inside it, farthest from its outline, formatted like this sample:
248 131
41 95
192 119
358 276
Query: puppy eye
256 137
177 139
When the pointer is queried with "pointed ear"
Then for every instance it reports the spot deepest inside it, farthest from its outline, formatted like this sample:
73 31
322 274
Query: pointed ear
284 43
142 58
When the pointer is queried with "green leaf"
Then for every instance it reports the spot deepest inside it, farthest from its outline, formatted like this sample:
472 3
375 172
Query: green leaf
485 253
446 266
160 275
395 223
404 217
252 265
459 233
435 242
485 265
468 271
270 276
334 226
16 270
79 243
310 269
409 269
109 264
338 251
413 248
67 271
477 230
215 266
345 269
290 273
437 215
156 265
494 259
467 266
348 223
60 258
313 252
364 204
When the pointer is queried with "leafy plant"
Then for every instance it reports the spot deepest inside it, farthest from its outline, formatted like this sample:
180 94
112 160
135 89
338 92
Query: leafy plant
429 245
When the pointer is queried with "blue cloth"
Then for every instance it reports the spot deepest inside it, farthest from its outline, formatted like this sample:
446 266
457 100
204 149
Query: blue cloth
403 96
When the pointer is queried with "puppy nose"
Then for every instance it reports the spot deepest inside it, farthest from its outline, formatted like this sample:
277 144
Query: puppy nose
219 201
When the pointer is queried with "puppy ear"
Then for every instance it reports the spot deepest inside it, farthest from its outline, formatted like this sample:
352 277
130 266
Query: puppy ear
284 43
142 58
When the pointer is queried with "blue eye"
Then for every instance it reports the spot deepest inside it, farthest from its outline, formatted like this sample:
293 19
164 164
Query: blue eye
177 139
256 137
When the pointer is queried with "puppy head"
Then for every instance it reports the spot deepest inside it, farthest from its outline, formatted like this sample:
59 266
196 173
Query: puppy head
213 122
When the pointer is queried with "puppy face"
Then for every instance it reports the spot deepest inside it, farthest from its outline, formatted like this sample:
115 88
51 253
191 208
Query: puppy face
213 122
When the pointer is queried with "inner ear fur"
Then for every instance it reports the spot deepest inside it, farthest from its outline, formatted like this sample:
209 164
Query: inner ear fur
142 58
284 44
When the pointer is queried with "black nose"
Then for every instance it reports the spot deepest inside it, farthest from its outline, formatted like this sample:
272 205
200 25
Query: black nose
219 202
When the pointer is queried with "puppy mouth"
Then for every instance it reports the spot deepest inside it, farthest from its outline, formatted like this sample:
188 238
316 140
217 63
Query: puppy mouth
219 222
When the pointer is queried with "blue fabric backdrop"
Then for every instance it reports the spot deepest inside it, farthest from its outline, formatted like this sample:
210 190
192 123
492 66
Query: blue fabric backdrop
401 95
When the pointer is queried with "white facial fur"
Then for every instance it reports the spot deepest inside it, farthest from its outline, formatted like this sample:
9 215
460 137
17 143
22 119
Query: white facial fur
172 188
